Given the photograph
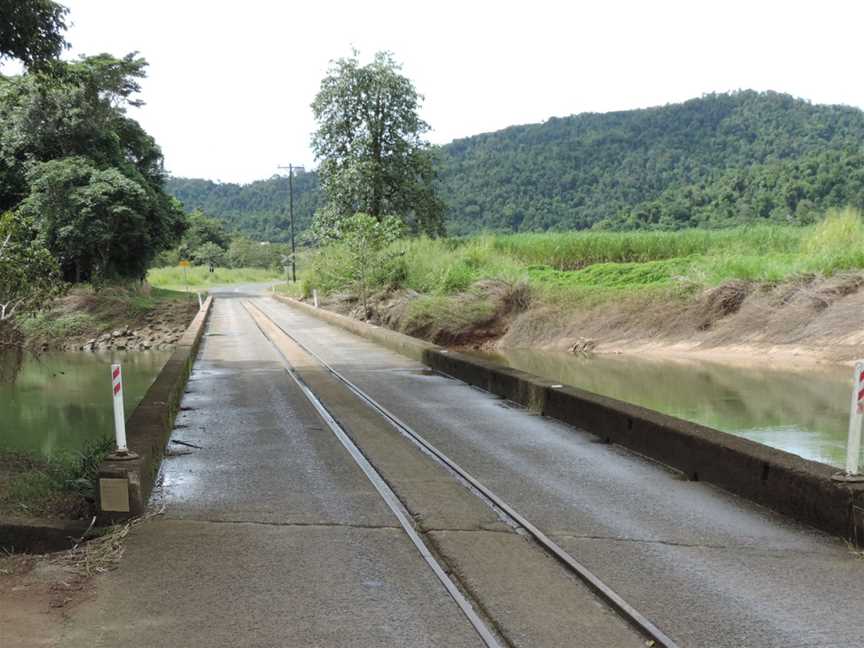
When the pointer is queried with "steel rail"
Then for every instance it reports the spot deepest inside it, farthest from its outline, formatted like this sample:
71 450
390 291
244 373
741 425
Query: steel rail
635 618
387 494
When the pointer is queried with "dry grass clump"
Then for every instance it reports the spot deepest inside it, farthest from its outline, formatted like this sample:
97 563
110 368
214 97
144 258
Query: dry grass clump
99 554
721 301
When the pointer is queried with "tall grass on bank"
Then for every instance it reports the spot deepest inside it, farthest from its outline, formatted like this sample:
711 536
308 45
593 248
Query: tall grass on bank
201 277
575 250
601 264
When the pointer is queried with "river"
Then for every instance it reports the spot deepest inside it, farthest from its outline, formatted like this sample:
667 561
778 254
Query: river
803 411
60 400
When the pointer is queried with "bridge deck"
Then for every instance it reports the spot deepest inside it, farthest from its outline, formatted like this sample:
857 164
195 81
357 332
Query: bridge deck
271 535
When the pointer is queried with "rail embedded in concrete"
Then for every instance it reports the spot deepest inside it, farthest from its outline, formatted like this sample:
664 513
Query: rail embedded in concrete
788 484
125 486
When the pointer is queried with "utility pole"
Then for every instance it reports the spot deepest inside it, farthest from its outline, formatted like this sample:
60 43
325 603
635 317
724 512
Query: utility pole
291 168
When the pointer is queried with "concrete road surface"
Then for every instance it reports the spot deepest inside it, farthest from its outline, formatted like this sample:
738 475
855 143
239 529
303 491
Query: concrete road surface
270 536
708 568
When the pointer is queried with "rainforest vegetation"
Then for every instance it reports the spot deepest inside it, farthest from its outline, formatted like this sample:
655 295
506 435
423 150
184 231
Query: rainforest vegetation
717 161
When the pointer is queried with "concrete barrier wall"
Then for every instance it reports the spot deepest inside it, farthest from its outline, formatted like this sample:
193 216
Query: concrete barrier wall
404 344
801 489
148 430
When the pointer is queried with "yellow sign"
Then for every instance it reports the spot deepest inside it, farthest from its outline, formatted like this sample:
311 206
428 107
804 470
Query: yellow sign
184 264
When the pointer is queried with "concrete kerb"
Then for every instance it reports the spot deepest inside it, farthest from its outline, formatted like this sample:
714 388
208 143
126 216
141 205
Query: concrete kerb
404 344
778 480
125 486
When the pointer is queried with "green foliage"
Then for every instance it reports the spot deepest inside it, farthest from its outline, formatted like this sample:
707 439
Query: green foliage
788 191
200 230
370 143
359 248
44 325
208 254
87 174
32 31
42 488
258 210
718 161
28 273
246 253
200 278
841 229
574 250
589 267
614 275
569 173
447 312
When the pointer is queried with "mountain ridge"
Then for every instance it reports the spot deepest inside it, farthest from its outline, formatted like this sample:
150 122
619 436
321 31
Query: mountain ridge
621 169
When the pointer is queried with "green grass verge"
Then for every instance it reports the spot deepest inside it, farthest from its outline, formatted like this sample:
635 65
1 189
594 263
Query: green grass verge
200 277
596 266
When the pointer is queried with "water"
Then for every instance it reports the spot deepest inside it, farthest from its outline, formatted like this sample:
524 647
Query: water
805 411
61 400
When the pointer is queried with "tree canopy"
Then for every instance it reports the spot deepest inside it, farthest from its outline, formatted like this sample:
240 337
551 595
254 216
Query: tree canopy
87 175
32 31
373 158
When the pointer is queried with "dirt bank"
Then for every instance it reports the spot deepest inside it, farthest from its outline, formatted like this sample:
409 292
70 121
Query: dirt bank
807 320
117 318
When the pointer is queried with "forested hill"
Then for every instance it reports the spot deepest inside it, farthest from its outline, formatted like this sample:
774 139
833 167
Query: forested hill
718 160
258 209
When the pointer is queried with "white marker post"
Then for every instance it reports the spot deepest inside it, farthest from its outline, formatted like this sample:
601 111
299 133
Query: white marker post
856 415
119 416
200 302
315 297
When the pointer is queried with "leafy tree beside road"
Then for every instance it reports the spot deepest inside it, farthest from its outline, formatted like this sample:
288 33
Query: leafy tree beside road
374 158
86 174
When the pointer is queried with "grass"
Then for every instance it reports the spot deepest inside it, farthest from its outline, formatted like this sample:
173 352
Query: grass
597 266
51 487
49 325
87 311
199 277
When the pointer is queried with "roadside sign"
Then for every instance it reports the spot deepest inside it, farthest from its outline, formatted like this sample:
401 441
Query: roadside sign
184 263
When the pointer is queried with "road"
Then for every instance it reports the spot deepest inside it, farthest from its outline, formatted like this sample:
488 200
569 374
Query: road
272 535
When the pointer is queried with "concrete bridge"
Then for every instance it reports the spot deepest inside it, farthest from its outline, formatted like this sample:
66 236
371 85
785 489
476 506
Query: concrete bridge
322 490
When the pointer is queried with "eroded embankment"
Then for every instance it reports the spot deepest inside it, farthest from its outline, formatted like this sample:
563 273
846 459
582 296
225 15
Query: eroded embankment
808 319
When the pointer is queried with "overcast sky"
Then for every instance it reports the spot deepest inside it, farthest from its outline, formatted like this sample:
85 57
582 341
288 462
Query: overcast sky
230 82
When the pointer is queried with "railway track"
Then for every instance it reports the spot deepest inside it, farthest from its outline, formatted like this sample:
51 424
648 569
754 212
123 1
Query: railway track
651 633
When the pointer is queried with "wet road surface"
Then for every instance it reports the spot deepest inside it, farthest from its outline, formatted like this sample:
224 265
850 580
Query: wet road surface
270 535
708 568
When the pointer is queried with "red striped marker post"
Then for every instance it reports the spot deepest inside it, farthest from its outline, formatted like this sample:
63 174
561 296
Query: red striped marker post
119 417
856 415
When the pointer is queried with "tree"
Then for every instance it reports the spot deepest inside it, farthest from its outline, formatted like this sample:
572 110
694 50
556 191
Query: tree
88 176
370 143
98 222
29 278
363 242
209 254
32 31
201 229
28 273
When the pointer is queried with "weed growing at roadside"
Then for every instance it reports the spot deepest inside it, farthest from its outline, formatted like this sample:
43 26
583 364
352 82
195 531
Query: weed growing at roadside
56 486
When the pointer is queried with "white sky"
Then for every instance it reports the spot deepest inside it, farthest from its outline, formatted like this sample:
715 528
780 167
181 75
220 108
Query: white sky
230 82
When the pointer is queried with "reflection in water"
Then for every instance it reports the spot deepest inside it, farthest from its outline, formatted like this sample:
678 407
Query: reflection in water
804 412
60 400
